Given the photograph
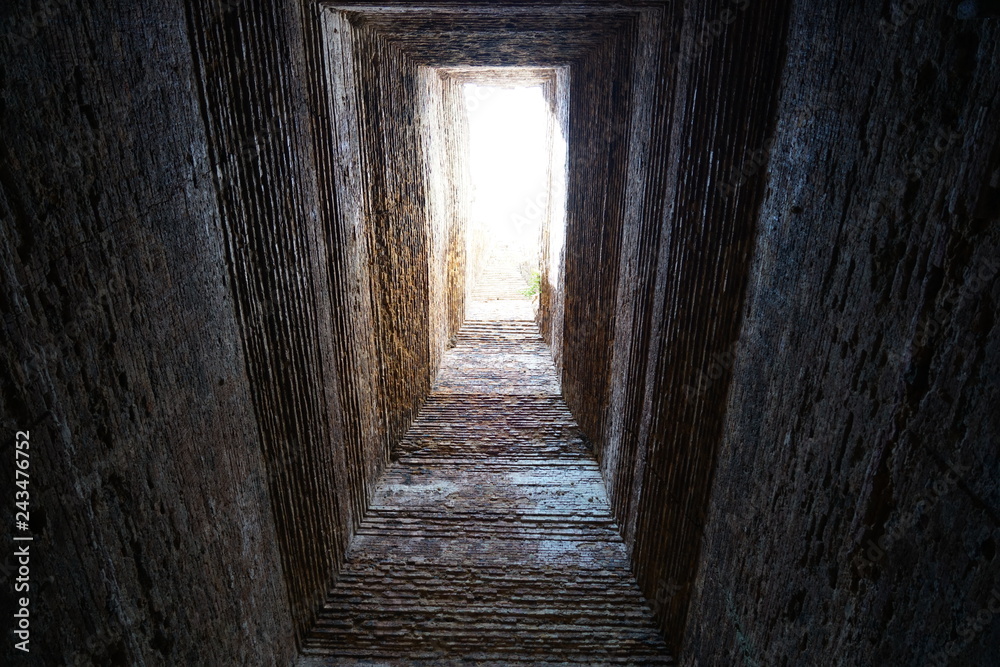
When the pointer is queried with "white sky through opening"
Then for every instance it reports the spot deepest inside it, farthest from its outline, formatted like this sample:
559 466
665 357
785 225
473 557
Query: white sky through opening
508 163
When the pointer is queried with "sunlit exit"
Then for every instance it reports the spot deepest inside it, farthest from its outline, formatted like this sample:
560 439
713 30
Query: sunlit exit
509 167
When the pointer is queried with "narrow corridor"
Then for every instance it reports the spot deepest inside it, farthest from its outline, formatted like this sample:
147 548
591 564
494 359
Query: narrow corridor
491 537
239 238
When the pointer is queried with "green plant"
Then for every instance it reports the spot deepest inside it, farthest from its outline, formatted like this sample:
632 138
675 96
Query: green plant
534 285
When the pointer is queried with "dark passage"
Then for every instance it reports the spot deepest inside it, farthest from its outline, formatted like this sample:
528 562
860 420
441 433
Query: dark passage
273 410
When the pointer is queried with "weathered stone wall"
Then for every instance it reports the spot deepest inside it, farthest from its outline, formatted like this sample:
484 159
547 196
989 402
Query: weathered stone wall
154 539
336 129
332 255
664 103
396 225
444 139
551 298
255 106
656 263
218 314
599 86
854 514
227 285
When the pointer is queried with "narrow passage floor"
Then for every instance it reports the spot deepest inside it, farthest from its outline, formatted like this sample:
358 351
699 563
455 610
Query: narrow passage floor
490 539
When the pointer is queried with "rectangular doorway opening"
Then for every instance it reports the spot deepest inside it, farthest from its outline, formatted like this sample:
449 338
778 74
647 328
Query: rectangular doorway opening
504 130
510 178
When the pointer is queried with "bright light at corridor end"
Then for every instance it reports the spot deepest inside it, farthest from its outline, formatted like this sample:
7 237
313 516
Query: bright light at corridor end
509 163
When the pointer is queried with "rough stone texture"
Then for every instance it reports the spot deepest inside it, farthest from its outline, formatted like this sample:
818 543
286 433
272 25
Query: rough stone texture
491 540
656 262
213 345
445 138
311 122
552 263
337 257
228 277
867 367
634 293
154 540
277 228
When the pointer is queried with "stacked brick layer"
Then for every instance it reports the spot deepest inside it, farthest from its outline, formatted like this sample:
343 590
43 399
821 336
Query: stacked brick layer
491 537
